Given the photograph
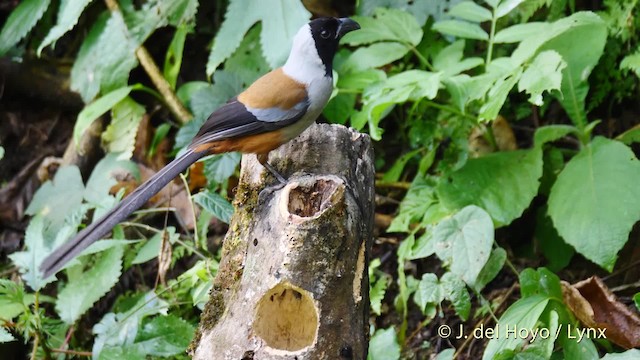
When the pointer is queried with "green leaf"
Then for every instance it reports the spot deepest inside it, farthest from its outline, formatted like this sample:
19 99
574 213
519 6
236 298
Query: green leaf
519 32
215 204
247 61
630 354
502 183
456 292
428 292
632 62
106 57
151 248
506 6
376 294
164 336
121 353
281 20
593 203
551 133
468 10
386 25
374 56
414 205
96 109
68 14
491 269
446 354
580 40
555 250
340 108
361 79
450 60
384 345
497 95
523 314
161 133
84 289
119 329
120 135
396 170
461 29
540 282
5 336
463 242
103 177
1 152
219 168
173 59
543 74
56 199
408 85
541 347
22 19
636 300
628 137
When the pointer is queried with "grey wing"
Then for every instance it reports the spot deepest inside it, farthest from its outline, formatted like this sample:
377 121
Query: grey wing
234 119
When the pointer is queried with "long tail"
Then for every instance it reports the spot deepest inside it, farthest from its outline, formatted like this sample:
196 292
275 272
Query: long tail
57 259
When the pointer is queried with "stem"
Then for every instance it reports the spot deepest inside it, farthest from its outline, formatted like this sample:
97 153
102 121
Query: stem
452 110
491 36
423 60
196 240
152 70
73 352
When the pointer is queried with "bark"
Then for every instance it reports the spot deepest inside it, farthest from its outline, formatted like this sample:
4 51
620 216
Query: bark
293 280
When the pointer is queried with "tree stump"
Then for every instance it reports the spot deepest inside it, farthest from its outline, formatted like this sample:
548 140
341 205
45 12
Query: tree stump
293 280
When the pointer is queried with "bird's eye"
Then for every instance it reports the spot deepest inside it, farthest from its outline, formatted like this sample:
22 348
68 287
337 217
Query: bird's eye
325 34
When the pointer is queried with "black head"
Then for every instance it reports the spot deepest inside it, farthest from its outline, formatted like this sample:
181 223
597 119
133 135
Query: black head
327 32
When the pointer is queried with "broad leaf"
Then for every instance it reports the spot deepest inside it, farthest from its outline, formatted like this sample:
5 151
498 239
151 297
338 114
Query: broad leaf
384 345
96 109
455 291
632 62
85 288
543 74
450 60
429 292
491 269
585 201
56 199
281 20
469 10
631 354
502 183
218 168
414 205
164 336
551 133
68 14
22 19
105 59
461 29
374 56
120 135
523 314
5 336
497 95
463 242
519 32
215 204
116 330
506 6
386 25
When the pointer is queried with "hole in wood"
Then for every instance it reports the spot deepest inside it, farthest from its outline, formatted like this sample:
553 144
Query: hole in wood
309 200
286 318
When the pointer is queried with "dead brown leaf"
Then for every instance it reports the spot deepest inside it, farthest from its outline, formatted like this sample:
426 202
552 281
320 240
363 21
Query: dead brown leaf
597 307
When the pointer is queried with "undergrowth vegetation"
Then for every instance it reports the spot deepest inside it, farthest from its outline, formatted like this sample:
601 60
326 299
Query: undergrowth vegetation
503 168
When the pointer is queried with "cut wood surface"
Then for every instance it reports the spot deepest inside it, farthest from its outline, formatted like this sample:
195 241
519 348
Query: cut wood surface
293 280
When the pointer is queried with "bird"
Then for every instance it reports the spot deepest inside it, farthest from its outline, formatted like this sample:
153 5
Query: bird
272 111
